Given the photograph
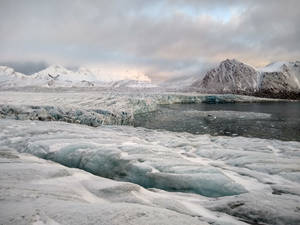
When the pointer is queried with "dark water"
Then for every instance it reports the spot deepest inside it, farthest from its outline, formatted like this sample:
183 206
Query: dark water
217 119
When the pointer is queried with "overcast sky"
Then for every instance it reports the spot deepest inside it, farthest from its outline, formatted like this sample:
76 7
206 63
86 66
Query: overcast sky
157 37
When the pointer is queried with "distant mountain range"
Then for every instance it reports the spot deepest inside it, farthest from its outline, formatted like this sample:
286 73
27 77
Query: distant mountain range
277 80
59 76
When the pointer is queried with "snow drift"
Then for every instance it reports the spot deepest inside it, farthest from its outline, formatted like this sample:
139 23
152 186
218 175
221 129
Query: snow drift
263 175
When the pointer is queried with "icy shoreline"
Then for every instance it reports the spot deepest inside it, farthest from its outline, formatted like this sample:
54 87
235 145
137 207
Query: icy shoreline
100 108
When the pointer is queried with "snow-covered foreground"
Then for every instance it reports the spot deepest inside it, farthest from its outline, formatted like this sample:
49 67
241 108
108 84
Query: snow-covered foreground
190 179
34 191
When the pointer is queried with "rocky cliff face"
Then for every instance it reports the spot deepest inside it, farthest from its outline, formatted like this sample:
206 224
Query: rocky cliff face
280 80
231 76
283 78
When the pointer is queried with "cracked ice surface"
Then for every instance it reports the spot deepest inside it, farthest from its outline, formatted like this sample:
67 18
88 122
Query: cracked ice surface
255 180
35 191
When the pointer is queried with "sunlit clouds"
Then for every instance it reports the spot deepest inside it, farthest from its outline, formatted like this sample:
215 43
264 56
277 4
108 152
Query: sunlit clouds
155 38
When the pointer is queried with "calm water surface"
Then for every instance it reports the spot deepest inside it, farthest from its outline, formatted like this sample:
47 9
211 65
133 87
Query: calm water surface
218 119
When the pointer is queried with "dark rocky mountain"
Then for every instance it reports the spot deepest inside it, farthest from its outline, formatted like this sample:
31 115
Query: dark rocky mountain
277 80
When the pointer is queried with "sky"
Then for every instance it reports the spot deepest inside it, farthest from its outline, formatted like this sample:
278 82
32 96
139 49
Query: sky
158 38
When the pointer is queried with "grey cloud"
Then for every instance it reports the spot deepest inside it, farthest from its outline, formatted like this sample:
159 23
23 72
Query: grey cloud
157 36
26 67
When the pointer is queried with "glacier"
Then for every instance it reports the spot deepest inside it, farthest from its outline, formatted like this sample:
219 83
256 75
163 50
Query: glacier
220 180
101 107
35 191
93 170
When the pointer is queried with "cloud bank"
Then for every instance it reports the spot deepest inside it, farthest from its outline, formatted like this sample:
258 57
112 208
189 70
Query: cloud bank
160 38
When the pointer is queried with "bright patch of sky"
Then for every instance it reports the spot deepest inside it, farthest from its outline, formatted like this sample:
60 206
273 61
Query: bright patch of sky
219 14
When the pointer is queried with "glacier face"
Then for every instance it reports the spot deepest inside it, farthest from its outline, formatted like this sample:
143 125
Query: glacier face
90 117
100 107
262 175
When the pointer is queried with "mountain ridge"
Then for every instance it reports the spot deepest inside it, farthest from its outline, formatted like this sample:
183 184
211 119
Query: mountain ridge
278 79
59 76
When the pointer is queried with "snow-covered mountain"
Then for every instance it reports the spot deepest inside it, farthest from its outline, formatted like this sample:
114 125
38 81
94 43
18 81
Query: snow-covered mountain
10 78
59 76
280 76
231 76
279 79
60 73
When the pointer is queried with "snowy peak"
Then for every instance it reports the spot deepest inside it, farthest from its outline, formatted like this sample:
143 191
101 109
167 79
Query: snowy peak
280 76
280 66
59 76
4 70
58 72
273 67
57 68
231 76
10 78
10 72
278 79
54 71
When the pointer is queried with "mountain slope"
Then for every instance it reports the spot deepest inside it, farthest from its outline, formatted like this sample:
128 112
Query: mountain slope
58 75
279 76
10 78
231 76
278 79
